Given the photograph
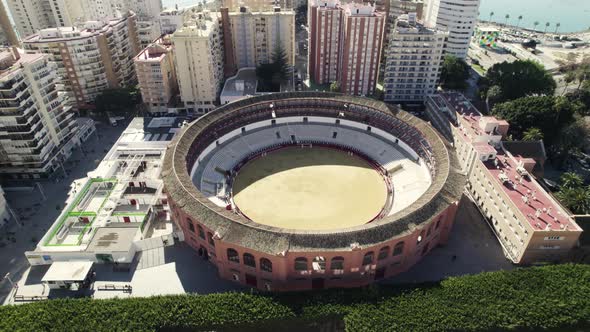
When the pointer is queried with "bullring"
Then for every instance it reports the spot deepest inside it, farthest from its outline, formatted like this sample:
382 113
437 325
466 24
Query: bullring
421 183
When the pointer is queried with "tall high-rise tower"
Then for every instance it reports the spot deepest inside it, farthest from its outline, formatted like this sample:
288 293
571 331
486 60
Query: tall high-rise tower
458 17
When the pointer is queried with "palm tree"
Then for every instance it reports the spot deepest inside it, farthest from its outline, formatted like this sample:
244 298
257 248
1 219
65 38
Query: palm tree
546 27
536 23
569 77
557 27
491 14
532 134
519 19
571 180
506 17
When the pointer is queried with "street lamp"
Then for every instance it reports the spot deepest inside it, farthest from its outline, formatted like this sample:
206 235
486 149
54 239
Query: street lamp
7 277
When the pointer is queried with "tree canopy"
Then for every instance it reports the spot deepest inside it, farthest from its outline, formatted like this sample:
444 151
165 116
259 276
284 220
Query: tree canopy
455 73
547 113
574 194
335 86
532 134
271 75
519 79
117 100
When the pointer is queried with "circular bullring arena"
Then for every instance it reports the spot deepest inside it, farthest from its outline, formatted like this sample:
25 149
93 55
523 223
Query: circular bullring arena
311 190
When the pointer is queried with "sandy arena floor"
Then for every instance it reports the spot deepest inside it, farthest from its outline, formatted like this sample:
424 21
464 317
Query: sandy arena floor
309 189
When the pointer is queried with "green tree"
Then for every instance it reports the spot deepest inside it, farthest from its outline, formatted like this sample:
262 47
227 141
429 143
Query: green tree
493 95
117 100
271 75
520 78
280 62
571 139
576 199
455 73
532 134
571 180
335 86
547 113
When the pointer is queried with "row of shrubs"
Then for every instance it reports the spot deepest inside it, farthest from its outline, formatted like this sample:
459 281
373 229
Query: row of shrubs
549 297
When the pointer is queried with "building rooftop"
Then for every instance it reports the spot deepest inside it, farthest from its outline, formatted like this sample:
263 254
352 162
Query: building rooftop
67 271
511 171
109 207
84 30
243 84
12 59
156 51
201 24
113 239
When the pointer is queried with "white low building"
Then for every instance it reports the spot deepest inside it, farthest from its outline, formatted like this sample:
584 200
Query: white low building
119 208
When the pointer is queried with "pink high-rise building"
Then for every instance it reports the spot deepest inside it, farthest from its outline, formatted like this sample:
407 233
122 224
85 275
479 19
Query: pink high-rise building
345 45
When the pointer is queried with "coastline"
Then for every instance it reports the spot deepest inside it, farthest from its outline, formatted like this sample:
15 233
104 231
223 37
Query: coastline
529 30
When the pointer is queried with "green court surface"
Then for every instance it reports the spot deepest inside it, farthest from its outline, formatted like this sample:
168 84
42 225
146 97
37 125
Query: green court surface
309 189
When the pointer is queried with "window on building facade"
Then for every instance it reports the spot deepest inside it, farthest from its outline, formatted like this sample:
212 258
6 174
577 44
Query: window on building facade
398 249
201 232
383 253
337 263
249 260
300 264
233 256
368 259
265 265
210 239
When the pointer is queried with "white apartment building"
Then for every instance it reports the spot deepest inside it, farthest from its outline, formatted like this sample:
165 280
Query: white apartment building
413 60
529 223
458 17
363 38
90 58
37 132
118 209
255 36
326 22
198 53
32 15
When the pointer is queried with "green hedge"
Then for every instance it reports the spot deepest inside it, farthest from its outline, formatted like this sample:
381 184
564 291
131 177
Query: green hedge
549 297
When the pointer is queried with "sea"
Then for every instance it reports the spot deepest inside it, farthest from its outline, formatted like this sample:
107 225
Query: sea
572 15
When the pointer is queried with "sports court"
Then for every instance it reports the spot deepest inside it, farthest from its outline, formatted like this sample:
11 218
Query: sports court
309 189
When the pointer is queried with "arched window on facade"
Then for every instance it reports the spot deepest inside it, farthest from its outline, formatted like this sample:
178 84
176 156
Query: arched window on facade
429 230
383 253
368 259
398 249
300 264
201 232
319 264
249 260
191 227
337 263
210 239
233 256
265 265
